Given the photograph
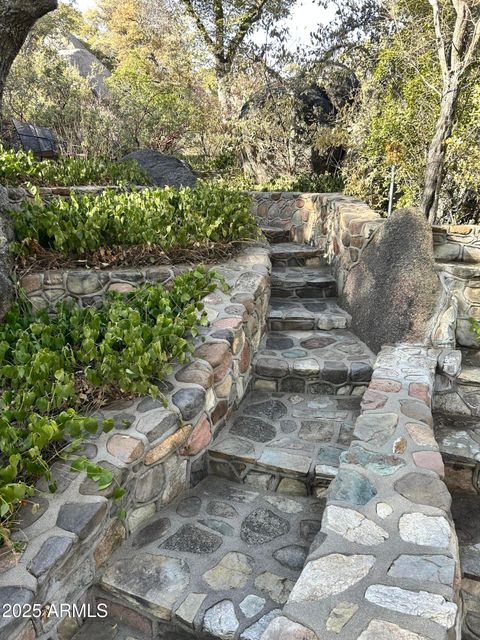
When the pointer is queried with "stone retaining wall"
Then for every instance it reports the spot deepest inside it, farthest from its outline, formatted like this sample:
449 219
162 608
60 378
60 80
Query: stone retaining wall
386 563
88 287
154 452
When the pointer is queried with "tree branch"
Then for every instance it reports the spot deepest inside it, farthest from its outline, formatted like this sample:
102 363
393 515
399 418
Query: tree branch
190 9
219 28
472 48
461 10
253 15
441 50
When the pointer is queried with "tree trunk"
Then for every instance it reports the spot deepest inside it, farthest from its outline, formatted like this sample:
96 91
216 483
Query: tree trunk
221 74
17 17
434 172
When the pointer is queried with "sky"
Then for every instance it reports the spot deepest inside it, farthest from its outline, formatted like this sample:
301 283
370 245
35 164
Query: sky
305 15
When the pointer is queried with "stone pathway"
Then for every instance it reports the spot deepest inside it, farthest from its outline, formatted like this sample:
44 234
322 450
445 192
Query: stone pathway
221 561
222 558
288 440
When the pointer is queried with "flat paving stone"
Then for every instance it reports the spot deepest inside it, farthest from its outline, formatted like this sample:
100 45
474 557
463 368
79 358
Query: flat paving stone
458 437
151 581
192 539
306 434
286 250
253 429
262 525
424 489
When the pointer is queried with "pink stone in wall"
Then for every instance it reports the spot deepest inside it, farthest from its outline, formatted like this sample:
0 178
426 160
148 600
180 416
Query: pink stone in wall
429 460
372 400
228 323
127 616
245 358
389 386
222 370
356 227
27 633
31 283
420 391
200 438
213 352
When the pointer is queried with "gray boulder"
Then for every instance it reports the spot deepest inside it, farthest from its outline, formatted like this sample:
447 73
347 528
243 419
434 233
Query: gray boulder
164 170
393 292
76 54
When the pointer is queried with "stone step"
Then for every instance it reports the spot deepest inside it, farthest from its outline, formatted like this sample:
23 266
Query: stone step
320 362
287 442
218 562
458 437
303 282
296 254
276 234
304 314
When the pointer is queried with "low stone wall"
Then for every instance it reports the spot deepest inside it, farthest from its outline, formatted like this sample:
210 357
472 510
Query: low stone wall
457 250
386 563
457 243
155 452
88 287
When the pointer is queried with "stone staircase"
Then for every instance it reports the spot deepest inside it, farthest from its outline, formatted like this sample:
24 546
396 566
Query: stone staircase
221 560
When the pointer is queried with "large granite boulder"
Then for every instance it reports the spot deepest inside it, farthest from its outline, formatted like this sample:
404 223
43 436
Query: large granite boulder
308 107
393 292
164 170
76 54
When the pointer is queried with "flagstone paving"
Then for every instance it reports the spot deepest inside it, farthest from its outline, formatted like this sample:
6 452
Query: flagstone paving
285 435
304 314
222 559
303 282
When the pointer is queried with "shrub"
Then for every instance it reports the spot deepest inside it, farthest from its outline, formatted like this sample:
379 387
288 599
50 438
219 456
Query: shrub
167 218
19 167
52 367
306 183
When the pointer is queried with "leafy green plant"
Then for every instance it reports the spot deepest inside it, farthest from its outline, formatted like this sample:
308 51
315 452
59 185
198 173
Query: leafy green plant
51 367
306 183
475 327
19 167
167 218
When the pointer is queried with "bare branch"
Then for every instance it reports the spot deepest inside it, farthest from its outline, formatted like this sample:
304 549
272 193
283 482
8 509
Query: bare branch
219 28
251 17
190 9
441 49
461 9
473 46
